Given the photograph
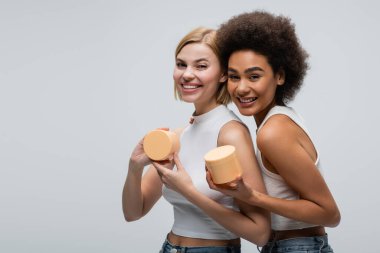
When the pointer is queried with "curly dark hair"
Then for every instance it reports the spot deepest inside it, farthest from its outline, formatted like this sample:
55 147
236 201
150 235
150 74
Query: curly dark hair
271 36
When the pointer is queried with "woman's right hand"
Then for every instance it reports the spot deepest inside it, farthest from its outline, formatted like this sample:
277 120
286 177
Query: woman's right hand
138 158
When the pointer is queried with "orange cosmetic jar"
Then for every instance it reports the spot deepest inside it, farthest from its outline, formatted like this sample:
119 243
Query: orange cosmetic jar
159 145
223 164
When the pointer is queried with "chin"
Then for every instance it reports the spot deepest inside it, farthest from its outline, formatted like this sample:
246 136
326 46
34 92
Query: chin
188 99
246 111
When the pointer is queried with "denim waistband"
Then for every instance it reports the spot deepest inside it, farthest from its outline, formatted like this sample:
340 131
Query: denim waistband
167 247
316 243
306 240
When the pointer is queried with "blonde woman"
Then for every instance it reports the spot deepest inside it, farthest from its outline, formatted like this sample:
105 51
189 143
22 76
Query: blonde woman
205 220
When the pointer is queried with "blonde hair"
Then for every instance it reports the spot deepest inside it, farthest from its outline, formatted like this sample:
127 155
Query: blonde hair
208 37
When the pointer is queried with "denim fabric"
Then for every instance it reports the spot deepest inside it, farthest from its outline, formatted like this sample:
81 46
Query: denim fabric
169 248
299 245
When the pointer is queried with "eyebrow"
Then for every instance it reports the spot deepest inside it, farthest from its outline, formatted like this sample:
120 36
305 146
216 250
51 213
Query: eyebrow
248 70
197 60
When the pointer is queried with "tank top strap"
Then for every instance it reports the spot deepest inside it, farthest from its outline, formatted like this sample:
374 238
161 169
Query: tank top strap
288 111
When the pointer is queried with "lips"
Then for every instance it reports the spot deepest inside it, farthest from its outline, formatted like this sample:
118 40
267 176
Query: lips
246 101
190 86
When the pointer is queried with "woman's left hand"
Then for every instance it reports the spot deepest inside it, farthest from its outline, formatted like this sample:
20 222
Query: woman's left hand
238 188
177 180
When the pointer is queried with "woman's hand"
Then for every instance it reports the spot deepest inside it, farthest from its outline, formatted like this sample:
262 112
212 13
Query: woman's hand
238 189
177 180
138 158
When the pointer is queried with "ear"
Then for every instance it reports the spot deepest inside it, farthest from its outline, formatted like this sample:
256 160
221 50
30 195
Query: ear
280 77
223 78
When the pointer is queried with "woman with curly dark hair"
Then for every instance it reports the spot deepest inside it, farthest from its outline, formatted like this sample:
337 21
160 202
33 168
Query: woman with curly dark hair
266 67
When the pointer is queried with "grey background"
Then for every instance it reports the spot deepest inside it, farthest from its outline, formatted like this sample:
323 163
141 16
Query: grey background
82 81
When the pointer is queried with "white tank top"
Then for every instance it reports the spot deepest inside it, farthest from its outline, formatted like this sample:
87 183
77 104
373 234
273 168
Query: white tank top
196 140
274 183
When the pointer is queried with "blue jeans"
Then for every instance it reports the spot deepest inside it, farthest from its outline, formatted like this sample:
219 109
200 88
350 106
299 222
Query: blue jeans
299 245
167 247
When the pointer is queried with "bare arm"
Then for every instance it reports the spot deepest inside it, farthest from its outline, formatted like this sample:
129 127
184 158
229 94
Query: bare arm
286 149
140 192
236 134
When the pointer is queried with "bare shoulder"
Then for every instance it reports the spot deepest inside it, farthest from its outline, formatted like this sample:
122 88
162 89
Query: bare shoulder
279 129
233 132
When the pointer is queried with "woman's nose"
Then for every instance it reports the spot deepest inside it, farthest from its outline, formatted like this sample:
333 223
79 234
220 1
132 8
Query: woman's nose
188 74
242 87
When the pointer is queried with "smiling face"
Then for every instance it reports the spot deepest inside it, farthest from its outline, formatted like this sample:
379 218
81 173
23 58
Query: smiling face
252 83
197 75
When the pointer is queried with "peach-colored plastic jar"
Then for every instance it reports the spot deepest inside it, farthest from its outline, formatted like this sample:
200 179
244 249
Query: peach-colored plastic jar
159 145
223 164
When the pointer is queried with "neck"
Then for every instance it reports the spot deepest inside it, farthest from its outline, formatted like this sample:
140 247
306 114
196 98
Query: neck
259 117
204 108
